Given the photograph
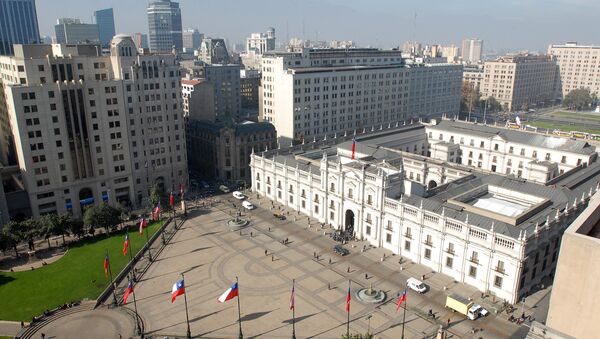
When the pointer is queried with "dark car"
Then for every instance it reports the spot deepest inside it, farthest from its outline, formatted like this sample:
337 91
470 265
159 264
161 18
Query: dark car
279 216
341 250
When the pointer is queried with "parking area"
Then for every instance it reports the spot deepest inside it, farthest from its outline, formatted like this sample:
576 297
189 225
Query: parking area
267 255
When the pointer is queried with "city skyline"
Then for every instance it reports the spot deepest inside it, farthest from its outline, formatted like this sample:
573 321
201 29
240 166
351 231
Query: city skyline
524 26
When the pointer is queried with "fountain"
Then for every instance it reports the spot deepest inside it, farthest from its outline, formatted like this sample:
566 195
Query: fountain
237 223
370 295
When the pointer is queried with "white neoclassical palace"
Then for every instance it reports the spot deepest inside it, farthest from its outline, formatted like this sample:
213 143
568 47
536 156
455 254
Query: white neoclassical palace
415 190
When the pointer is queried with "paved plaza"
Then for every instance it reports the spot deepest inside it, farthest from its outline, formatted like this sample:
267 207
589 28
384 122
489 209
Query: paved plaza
211 256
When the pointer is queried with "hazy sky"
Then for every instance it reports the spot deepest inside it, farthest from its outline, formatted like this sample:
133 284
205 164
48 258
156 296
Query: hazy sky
508 24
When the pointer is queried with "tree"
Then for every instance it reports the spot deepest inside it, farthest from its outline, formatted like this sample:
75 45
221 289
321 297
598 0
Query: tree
12 233
30 229
54 224
469 97
75 227
102 215
5 243
493 105
578 99
157 194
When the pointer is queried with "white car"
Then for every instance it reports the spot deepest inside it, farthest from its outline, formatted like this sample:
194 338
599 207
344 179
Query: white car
239 195
248 205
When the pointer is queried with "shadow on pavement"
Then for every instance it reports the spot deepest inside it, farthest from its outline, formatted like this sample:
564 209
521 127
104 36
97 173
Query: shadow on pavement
256 315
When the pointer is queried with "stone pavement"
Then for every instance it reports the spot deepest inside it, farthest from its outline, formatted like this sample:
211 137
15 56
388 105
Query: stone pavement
211 256
9 328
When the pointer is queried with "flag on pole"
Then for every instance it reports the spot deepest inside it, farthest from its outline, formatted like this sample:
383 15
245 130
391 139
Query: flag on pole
292 304
143 224
157 212
128 291
126 244
348 298
231 293
106 265
178 289
171 200
401 299
353 145
518 120
181 190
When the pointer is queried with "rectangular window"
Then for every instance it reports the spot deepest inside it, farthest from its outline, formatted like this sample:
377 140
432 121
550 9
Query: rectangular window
407 245
449 262
388 238
498 281
368 230
428 253
472 271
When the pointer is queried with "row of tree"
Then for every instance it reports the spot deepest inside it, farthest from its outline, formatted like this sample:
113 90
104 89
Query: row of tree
471 100
580 99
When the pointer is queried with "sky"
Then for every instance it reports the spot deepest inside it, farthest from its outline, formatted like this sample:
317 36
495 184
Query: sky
503 25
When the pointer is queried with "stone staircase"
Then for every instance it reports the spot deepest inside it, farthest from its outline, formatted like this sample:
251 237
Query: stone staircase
33 328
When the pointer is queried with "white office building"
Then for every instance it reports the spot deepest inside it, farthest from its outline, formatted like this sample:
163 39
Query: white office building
89 127
579 65
496 232
311 93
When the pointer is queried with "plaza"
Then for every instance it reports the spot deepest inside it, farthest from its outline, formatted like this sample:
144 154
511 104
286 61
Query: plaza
211 256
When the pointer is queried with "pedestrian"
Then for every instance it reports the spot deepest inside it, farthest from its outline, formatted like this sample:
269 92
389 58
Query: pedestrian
328 286
348 270
314 254
286 241
448 323
366 276
269 229
250 234
22 324
272 258
43 336
329 261
422 276
266 252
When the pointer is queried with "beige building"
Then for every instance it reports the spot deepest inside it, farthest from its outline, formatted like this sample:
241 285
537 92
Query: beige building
579 66
89 127
312 93
575 299
521 81
473 74
472 50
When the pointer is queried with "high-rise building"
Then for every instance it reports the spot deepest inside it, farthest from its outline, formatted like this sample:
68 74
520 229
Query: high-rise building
412 48
472 50
19 24
450 53
250 87
214 51
521 81
259 43
473 74
164 26
578 65
225 82
90 127
73 31
192 39
311 93
106 25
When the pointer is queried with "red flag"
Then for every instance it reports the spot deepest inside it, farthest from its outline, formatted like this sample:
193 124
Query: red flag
156 213
106 265
128 291
348 298
401 299
171 200
353 146
126 244
181 190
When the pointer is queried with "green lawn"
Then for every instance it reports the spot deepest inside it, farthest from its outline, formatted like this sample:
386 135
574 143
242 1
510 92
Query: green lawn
578 115
564 127
76 276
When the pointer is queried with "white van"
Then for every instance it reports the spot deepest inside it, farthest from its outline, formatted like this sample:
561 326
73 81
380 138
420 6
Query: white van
248 205
239 195
416 285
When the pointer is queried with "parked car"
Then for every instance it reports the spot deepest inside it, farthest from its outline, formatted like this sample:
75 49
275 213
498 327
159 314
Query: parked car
279 216
416 285
248 205
341 250
224 189
239 195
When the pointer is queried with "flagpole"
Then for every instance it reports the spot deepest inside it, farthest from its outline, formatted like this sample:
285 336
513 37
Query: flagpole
111 280
403 315
294 311
137 323
348 321
130 245
147 241
187 317
240 336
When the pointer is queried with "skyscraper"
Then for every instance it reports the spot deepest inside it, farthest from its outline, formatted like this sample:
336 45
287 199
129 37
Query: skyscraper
18 24
164 26
472 50
106 25
192 39
73 31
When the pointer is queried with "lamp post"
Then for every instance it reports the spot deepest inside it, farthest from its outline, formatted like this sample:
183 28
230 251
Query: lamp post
369 324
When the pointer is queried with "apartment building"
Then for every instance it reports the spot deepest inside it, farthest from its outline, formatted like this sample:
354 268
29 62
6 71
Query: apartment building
311 93
521 81
473 74
89 127
579 66
260 43
73 31
472 50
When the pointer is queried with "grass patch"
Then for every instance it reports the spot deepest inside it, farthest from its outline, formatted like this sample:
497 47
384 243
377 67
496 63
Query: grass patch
563 126
576 115
76 276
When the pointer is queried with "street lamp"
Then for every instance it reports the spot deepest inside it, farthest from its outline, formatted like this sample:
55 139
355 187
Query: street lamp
369 324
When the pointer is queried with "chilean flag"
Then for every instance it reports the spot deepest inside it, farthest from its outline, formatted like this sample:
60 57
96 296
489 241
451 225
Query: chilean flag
171 200
128 291
353 146
106 265
126 244
143 224
181 190
348 298
178 289
401 299
157 212
231 293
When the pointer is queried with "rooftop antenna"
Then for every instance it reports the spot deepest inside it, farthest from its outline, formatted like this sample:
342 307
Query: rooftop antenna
287 33
415 28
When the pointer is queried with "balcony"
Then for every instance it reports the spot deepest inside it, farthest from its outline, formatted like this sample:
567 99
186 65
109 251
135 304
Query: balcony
428 242
499 269
408 235
474 260
449 251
